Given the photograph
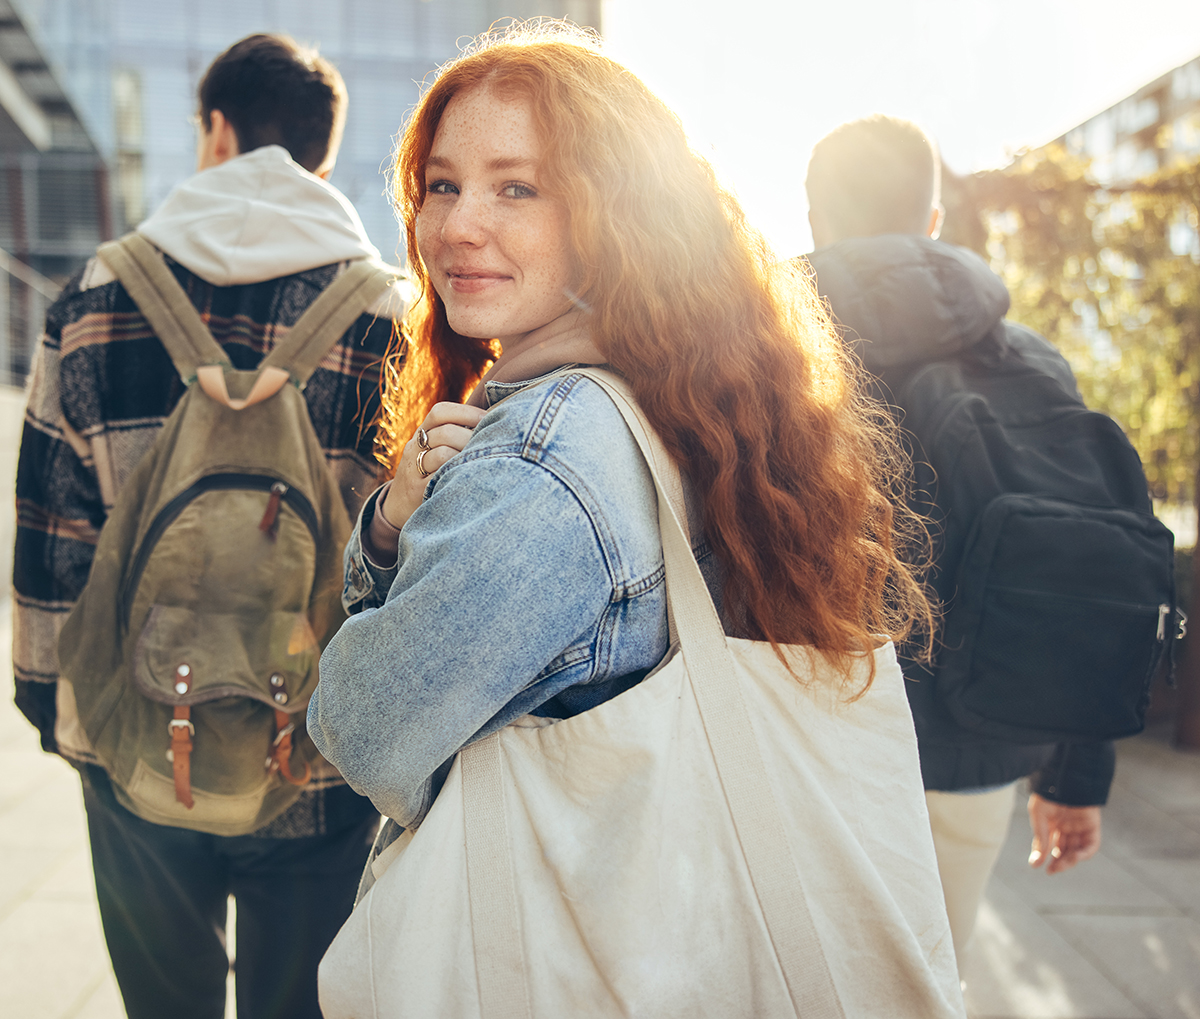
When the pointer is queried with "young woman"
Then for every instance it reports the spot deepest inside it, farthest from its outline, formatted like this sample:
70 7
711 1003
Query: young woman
556 217
514 565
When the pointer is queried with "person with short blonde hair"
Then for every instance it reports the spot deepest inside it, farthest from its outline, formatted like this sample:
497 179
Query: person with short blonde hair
904 300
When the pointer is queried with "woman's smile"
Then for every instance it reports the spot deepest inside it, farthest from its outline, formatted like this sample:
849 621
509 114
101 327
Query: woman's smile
467 282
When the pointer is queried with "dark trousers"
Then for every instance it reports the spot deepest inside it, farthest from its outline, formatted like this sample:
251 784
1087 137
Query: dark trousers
163 893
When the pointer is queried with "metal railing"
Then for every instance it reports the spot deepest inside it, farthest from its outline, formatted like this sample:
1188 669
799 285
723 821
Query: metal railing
24 296
28 275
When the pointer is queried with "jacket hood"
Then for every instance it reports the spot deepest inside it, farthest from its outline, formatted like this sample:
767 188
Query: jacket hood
900 298
256 217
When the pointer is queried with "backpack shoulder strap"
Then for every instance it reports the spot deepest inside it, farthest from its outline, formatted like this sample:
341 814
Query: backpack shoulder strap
196 355
164 303
328 317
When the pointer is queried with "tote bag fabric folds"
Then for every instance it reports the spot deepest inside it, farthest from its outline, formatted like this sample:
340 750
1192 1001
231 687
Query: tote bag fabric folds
724 839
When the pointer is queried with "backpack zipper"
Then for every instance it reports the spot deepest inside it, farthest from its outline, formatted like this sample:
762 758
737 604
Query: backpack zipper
1141 608
270 515
213 483
1178 623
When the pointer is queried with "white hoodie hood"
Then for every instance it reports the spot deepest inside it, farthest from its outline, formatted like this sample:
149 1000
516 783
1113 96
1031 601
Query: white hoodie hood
256 217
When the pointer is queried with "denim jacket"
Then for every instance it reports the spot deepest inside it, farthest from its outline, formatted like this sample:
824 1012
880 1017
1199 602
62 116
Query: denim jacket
529 581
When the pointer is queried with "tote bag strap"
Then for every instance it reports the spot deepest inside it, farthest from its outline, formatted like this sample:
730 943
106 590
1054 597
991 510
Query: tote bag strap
756 815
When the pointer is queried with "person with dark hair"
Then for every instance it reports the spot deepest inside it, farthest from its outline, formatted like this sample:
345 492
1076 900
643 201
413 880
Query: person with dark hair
253 239
906 299
269 91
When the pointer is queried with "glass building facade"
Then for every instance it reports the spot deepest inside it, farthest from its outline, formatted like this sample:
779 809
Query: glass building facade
1147 131
131 68
54 191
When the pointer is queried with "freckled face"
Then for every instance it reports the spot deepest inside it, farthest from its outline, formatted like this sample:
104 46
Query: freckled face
496 250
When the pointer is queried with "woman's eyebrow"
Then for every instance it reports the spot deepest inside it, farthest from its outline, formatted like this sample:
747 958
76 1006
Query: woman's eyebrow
512 163
499 163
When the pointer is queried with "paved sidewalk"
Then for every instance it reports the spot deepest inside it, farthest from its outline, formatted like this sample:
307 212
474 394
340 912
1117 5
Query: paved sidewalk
1116 938
53 964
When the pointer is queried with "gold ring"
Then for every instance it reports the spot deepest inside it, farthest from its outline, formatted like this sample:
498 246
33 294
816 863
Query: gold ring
421 464
422 438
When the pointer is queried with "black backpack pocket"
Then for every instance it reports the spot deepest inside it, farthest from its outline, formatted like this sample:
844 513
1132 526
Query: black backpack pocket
1059 619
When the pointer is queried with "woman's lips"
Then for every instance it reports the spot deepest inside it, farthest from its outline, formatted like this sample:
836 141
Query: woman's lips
474 282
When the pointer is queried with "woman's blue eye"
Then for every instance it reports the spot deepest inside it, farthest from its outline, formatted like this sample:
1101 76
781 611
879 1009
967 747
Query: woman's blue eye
441 187
515 189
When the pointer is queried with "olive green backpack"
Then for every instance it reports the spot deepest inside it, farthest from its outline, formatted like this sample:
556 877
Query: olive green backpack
192 652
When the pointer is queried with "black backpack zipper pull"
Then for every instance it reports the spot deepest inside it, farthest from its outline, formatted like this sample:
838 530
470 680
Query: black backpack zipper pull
270 517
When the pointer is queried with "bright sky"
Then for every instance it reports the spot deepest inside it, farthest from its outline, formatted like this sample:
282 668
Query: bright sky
759 82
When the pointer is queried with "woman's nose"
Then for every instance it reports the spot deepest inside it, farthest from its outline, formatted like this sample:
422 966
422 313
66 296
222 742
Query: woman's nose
465 223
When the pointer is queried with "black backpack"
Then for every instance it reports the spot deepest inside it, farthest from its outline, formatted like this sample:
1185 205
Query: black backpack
1056 579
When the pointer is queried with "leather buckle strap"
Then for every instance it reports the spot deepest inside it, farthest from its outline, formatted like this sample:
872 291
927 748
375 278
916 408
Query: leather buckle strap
281 751
181 731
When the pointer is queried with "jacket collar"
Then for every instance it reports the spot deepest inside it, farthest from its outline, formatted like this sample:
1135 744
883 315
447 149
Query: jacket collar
496 391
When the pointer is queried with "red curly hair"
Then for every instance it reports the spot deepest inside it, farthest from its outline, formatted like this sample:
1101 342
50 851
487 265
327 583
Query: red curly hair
730 353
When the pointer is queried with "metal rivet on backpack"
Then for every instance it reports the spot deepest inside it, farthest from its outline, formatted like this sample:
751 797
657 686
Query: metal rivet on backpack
281 698
277 679
184 671
181 688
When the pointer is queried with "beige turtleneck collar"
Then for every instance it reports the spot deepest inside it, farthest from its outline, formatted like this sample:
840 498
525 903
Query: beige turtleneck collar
565 340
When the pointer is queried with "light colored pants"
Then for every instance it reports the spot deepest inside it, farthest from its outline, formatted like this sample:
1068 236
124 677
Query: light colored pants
968 831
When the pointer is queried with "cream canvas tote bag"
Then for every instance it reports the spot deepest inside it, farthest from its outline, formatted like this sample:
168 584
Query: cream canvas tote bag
723 840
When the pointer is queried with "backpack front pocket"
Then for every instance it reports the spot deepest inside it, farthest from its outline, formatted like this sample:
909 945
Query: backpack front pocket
1058 621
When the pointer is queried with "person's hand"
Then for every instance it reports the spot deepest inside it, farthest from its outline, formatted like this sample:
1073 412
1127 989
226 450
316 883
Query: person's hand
446 430
1063 835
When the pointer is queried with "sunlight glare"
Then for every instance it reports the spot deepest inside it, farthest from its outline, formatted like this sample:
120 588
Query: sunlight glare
759 85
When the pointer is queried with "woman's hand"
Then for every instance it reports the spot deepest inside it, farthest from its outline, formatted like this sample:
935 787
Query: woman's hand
447 429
